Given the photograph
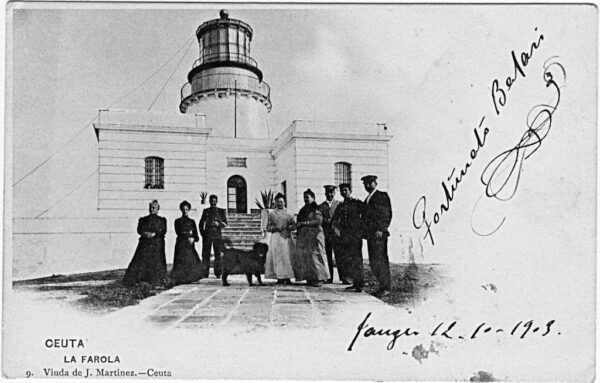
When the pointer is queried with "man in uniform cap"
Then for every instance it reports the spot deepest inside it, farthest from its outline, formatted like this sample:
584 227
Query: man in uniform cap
328 209
376 221
212 221
347 227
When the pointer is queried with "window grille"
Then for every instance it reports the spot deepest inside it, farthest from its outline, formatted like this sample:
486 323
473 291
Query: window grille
155 173
343 173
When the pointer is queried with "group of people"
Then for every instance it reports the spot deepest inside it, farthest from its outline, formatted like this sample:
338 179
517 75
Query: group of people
149 262
333 228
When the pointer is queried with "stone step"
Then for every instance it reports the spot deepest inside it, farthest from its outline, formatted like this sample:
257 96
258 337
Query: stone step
242 226
243 238
233 221
242 222
250 239
239 231
243 247
247 237
237 244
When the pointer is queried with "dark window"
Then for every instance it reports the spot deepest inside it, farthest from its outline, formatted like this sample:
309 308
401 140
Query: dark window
284 189
343 173
155 173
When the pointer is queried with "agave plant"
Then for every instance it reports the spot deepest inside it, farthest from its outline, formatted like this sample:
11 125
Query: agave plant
203 196
267 200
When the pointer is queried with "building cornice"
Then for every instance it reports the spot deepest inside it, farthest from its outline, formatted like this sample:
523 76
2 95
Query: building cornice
240 144
292 132
151 129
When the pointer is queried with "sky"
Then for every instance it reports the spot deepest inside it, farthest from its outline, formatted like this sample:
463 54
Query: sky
425 71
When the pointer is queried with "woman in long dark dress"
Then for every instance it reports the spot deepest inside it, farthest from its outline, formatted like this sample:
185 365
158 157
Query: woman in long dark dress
187 267
310 245
149 263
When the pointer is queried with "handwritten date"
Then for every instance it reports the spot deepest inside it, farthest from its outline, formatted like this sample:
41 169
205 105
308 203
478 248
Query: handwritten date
454 331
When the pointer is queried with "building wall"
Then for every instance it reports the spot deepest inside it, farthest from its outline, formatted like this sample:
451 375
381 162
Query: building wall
316 163
46 246
309 150
285 170
125 139
259 172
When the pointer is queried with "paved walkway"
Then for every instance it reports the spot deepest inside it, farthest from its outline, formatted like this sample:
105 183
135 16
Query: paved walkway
208 304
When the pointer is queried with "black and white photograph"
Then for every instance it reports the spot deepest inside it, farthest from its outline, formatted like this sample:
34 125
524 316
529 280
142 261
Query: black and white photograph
300 191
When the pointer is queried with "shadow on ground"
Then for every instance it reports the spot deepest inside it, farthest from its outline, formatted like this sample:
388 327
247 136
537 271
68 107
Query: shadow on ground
411 283
97 293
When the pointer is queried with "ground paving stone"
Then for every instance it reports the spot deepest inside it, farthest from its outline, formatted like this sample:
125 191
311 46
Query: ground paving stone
208 304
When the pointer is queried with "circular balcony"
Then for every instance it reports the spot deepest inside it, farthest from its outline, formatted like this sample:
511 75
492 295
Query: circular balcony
223 84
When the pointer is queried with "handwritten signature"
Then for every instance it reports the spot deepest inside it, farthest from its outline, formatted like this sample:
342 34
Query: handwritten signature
454 331
502 174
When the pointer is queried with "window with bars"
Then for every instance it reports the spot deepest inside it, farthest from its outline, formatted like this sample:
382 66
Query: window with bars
343 173
155 173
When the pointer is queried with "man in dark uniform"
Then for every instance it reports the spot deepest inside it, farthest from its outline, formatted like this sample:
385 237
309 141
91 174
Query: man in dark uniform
347 226
212 221
328 209
376 221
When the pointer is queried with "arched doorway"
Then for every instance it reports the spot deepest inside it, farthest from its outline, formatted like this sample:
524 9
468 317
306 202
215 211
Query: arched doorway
237 201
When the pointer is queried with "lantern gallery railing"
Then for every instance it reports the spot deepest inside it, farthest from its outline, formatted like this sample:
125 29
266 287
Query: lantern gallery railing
226 81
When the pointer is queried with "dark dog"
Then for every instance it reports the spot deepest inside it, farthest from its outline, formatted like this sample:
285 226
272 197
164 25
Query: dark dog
236 261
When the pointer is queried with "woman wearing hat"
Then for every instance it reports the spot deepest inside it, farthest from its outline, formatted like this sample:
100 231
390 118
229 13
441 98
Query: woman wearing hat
187 267
310 245
149 263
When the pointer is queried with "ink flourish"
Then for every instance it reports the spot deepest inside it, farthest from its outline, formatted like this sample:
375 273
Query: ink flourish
499 98
502 174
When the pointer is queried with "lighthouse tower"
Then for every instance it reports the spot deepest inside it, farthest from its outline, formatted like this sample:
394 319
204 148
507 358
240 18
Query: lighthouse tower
225 83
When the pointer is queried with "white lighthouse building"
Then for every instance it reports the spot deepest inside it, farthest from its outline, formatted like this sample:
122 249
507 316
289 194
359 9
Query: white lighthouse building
220 143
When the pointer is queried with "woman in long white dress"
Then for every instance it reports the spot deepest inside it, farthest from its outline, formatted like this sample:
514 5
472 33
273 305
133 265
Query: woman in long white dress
281 254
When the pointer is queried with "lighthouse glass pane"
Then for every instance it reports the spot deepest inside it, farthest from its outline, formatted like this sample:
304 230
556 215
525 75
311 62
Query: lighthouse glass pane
233 43
213 41
241 42
205 44
223 47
